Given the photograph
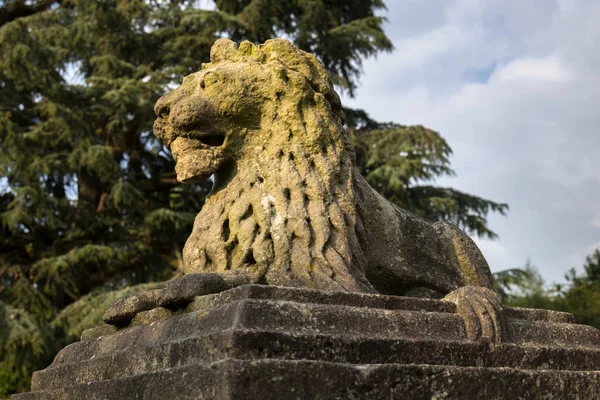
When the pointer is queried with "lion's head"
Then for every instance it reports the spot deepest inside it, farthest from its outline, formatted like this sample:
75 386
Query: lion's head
214 116
266 121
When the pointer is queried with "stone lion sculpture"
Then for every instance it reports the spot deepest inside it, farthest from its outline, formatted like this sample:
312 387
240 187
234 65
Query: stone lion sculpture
288 207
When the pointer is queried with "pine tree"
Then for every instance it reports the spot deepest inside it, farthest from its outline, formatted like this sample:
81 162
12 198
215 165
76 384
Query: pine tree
402 162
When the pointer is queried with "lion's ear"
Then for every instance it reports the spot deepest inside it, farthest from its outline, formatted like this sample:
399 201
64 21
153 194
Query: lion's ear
250 50
223 49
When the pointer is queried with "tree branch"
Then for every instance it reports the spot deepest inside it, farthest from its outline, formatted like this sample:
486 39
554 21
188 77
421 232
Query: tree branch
19 9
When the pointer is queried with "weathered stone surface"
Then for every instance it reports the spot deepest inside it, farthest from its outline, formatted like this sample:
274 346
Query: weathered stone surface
147 317
274 342
303 379
98 331
124 309
288 206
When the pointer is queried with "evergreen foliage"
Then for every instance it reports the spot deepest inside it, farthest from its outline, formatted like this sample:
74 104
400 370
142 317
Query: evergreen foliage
401 163
90 208
591 270
580 296
25 345
525 288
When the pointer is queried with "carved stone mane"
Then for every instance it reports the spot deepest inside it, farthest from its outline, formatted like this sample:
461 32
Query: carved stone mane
288 214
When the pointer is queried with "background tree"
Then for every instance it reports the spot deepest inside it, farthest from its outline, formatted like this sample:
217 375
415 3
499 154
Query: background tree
89 205
525 288
506 281
582 296
402 162
579 296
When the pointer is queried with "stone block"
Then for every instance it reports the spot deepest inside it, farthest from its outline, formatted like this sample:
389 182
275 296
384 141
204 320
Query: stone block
266 342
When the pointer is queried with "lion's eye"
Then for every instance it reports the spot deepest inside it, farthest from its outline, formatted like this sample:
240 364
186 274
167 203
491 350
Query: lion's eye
209 79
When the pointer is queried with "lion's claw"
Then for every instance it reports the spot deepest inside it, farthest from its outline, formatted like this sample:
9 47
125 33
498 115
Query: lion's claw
482 312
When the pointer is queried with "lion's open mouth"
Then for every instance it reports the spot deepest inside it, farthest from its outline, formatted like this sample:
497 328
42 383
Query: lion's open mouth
197 156
202 131
214 140
210 138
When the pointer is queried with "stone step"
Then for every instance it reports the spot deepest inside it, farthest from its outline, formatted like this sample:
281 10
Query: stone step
276 316
302 379
290 309
311 319
281 340
204 349
525 326
246 323
308 296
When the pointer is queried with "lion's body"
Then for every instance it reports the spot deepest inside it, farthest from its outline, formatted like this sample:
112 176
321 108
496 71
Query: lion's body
289 207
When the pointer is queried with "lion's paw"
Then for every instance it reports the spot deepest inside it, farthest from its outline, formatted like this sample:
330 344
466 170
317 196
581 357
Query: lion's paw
178 293
182 290
122 311
482 312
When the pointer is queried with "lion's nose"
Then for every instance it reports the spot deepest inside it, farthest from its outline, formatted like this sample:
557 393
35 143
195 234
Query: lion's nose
162 108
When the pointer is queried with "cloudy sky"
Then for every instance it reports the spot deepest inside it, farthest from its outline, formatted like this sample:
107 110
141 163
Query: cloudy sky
514 87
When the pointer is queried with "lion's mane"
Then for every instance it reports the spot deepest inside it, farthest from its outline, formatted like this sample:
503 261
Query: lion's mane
288 215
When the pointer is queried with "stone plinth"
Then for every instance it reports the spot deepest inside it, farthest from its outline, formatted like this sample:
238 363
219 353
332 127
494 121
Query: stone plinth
265 342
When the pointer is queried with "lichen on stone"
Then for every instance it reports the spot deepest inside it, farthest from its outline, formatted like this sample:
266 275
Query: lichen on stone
288 206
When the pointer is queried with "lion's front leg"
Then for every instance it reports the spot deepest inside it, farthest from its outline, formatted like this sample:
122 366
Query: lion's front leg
176 294
183 290
482 312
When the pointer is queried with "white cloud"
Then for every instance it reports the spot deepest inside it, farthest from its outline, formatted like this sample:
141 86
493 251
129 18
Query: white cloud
547 69
417 51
